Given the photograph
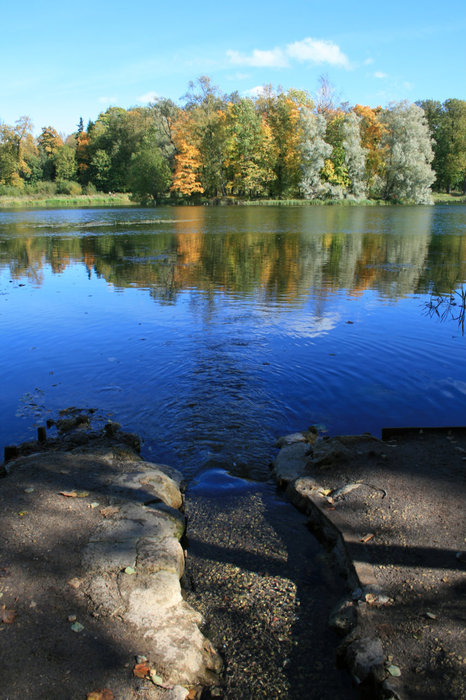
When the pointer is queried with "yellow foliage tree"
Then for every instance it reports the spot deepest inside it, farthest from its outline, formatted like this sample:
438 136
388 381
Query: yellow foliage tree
187 158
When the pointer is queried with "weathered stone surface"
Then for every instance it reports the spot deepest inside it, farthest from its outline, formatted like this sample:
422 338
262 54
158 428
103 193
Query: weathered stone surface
290 463
146 538
176 693
290 439
156 521
180 646
148 483
109 555
149 596
155 554
365 658
327 452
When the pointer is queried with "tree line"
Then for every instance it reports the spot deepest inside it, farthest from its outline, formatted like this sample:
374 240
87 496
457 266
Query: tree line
278 145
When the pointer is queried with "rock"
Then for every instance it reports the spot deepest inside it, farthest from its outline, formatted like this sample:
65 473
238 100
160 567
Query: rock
80 421
111 428
343 616
290 439
147 484
176 693
365 659
148 597
155 555
290 463
327 452
390 689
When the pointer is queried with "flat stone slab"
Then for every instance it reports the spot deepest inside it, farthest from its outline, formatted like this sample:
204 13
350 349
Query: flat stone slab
94 533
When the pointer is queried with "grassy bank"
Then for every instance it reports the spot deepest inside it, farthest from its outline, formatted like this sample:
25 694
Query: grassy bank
64 200
443 198
58 201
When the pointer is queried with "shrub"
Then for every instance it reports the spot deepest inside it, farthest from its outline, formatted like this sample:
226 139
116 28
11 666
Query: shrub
68 187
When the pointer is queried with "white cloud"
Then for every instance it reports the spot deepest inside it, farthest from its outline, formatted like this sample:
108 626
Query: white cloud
308 50
150 96
255 91
317 51
368 61
107 100
381 76
274 58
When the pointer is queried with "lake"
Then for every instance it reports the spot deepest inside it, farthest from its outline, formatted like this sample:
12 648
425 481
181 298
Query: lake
212 331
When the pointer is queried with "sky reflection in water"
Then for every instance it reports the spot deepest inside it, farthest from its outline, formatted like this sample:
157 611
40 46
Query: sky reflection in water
211 331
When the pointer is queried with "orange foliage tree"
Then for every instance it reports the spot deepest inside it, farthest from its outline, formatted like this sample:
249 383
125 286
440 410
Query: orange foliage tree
372 131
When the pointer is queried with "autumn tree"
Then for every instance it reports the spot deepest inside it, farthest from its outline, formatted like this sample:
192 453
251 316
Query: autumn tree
186 177
206 107
82 157
372 130
249 150
19 156
49 141
281 112
9 158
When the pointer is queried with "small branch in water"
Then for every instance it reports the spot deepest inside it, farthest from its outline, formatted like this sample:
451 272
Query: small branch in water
446 306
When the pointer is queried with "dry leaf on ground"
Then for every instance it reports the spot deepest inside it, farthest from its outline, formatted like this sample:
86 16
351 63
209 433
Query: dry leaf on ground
7 616
141 670
104 694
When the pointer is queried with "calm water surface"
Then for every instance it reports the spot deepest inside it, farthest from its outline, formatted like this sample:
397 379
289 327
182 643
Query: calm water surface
211 331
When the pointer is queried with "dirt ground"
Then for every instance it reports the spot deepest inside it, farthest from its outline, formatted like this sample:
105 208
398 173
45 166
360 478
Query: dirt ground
400 506
404 527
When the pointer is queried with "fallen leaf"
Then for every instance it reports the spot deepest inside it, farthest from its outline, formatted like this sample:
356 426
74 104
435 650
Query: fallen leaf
82 494
394 671
104 694
130 571
22 512
77 627
94 505
156 680
367 537
141 670
431 616
371 599
7 616
108 511
74 582
29 489
68 494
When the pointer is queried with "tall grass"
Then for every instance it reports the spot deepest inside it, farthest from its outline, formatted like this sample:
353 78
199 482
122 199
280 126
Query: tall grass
59 201
311 203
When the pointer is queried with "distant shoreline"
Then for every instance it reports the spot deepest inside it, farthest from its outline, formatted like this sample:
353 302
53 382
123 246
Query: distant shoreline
124 200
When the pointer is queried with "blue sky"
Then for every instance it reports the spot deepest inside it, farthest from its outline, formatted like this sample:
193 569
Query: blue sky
60 61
